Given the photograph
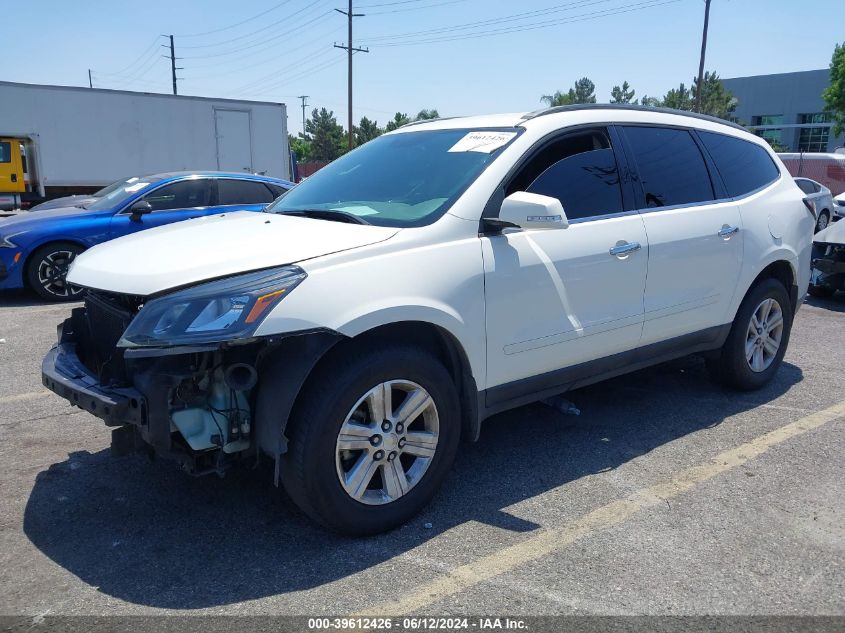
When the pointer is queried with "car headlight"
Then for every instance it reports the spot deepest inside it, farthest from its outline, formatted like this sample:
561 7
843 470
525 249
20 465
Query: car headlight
221 310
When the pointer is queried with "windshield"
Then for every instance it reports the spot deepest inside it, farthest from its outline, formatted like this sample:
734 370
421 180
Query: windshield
117 184
401 180
119 192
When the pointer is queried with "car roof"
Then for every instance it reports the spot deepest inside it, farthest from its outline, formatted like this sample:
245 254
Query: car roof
619 113
172 175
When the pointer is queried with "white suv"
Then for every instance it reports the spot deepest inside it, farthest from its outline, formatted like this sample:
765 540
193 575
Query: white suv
382 309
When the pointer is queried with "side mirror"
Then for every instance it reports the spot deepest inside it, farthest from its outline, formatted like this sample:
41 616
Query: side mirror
532 211
142 207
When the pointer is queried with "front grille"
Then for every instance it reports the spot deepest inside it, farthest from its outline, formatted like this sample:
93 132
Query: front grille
104 320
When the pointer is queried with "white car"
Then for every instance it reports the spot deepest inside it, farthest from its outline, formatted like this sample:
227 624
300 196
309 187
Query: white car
828 264
838 207
455 268
819 197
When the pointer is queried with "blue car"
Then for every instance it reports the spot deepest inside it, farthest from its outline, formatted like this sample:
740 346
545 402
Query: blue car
36 249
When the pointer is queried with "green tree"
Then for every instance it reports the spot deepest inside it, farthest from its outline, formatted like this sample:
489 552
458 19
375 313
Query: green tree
651 102
679 98
584 91
366 131
834 95
301 147
325 135
623 95
426 115
399 119
715 98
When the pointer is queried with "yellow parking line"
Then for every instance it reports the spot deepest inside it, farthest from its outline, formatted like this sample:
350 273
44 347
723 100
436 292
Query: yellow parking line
549 540
32 395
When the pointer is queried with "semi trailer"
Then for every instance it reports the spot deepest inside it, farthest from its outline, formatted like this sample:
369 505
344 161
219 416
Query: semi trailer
61 140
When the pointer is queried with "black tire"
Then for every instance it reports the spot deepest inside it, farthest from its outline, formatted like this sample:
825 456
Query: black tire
731 368
825 214
53 288
823 292
308 469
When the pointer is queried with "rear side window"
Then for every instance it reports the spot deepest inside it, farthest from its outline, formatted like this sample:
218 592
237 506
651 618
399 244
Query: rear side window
184 194
579 170
276 189
806 186
671 168
744 166
5 152
243 192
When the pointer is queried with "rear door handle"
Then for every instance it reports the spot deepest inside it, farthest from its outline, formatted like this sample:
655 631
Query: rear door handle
727 231
625 248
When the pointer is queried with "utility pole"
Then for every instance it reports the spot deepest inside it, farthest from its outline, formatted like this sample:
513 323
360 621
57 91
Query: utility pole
350 49
303 98
90 82
172 56
701 61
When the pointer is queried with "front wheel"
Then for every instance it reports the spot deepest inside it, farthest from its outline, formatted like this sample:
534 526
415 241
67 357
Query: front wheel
754 349
47 270
824 221
372 439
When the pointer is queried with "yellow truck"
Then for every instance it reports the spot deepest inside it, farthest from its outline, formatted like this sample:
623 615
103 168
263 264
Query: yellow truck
13 174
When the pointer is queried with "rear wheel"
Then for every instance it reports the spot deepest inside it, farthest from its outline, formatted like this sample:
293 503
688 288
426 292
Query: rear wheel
47 269
758 338
372 439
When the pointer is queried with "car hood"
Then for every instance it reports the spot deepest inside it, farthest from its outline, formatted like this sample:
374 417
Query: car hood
184 253
27 221
66 201
833 234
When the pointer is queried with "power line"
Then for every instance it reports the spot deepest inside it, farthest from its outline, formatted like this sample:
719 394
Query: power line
237 24
537 25
152 46
425 6
261 30
262 40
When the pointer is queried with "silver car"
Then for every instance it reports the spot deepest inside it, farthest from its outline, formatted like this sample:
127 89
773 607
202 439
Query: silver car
821 198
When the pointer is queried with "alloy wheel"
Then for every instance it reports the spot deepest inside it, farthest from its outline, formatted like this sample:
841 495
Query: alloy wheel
52 274
387 442
764 335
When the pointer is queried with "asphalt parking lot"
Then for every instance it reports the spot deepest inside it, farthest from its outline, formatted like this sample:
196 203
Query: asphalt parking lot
667 495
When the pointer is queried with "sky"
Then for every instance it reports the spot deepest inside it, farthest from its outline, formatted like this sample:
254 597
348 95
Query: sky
459 56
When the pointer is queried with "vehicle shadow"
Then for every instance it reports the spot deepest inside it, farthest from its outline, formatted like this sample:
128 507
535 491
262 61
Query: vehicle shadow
142 532
836 303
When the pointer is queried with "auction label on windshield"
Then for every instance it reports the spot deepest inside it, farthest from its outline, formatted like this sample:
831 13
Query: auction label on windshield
484 142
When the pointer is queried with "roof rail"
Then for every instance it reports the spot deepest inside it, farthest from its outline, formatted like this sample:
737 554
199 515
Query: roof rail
628 106
418 121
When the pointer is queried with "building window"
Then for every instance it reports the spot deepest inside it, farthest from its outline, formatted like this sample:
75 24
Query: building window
815 117
767 119
813 139
772 136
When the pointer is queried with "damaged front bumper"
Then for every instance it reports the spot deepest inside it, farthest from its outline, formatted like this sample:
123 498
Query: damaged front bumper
201 406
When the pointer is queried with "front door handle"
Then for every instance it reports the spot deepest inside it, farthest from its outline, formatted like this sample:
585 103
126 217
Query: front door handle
623 249
726 231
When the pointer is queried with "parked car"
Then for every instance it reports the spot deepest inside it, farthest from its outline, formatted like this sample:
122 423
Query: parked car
819 196
437 275
82 200
828 263
37 249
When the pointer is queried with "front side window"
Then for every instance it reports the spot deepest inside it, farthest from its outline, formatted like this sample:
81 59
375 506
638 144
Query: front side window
115 196
5 152
743 165
671 168
579 170
401 180
231 192
184 194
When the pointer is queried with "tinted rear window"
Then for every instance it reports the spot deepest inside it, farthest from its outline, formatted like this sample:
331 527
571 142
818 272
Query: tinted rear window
243 192
671 168
744 166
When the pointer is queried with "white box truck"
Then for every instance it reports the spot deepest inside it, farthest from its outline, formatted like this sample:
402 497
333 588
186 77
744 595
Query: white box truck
60 140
